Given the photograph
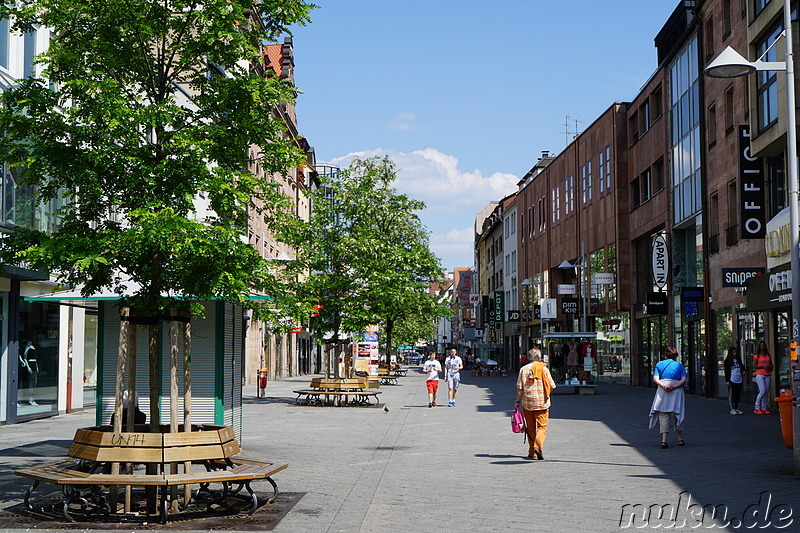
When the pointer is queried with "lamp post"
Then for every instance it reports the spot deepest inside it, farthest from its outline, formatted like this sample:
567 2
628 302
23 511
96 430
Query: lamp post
730 64
578 272
526 298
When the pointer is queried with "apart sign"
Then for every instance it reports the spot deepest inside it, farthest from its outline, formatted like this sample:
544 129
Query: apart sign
660 261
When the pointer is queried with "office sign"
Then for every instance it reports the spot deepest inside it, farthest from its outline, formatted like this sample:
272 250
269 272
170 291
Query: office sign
660 261
752 209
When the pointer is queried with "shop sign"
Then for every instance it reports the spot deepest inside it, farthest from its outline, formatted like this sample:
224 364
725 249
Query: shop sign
656 303
370 336
777 242
737 277
486 312
548 309
464 288
770 291
513 316
692 302
499 306
567 289
569 306
660 261
603 278
752 209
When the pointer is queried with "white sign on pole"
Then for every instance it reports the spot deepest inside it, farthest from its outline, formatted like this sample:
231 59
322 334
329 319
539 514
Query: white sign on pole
567 289
549 308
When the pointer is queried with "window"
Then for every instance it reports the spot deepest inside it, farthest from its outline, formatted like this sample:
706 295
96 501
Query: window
656 104
5 34
29 53
542 214
733 205
758 5
636 193
658 175
568 192
531 223
709 37
583 183
601 183
608 167
555 196
633 127
729 110
767 81
644 117
589 179
713 224
711 126
522 226
726 18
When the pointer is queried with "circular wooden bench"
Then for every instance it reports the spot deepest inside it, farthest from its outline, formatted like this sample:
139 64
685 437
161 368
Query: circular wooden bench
206 455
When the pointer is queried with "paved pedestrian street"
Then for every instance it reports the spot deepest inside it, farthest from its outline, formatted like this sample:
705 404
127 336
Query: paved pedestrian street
415 469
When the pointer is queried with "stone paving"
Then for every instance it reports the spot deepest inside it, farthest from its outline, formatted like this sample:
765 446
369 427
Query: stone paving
416 469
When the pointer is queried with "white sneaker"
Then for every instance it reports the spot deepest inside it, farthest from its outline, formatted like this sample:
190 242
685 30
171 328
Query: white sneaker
33 402
738 412
733 412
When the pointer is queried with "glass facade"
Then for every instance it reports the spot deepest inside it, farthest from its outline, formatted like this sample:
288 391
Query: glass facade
767 80
685 138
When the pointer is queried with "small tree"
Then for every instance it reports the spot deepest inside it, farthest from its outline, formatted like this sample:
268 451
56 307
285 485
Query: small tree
366 249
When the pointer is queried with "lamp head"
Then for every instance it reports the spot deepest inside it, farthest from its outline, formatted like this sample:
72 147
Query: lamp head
729 64
567 264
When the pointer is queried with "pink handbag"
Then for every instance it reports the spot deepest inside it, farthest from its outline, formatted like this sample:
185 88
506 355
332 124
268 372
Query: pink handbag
518 421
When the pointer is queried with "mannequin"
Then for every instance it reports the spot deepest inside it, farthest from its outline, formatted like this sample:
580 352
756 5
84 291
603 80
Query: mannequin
29 369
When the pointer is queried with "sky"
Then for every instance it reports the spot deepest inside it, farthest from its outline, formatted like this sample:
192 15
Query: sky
464 95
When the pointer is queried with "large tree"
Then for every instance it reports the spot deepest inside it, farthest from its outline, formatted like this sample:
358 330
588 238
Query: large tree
141 106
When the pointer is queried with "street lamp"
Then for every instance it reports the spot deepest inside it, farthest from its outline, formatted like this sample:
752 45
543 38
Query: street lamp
526 298
567 265
730 64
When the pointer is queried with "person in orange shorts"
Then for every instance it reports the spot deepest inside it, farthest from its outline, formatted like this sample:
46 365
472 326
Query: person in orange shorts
432 367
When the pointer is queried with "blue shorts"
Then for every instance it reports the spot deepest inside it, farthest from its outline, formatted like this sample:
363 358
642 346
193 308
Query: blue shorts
453 380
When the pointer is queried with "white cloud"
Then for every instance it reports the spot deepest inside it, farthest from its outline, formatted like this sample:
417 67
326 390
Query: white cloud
452 197
403 122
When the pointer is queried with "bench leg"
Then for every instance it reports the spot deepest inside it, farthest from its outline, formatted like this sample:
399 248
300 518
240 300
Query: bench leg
163 508
253 498
274 490
71 495
28 492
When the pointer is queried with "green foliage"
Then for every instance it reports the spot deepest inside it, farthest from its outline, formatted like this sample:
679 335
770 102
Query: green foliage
144 105
368 251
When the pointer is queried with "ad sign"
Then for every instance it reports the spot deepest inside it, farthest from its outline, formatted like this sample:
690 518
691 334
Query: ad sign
464 288
499 306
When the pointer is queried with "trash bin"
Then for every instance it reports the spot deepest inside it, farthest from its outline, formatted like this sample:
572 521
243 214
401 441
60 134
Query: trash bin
785 410
262 378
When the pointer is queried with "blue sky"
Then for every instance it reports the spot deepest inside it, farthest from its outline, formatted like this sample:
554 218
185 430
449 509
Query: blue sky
465 94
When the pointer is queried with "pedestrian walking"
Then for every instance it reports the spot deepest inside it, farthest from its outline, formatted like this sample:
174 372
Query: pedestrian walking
668 404
432 367
734 378
534 385
452 375
762 363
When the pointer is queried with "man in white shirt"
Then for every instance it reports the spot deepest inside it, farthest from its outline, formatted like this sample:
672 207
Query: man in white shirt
432 367
452 366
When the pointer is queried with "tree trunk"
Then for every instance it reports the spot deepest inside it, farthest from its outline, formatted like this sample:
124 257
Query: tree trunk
389 329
